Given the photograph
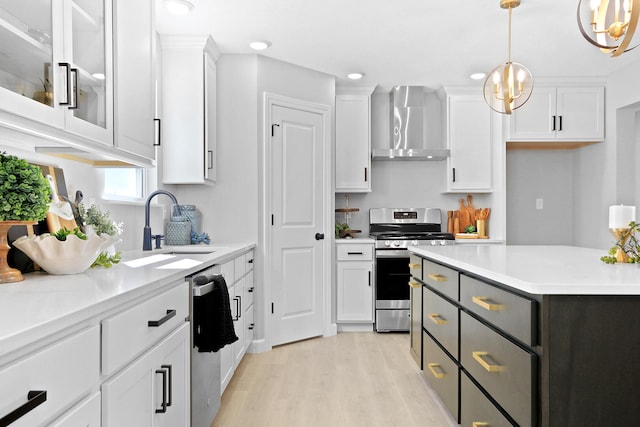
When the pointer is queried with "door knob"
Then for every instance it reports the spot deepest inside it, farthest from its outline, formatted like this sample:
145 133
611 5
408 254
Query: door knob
319 236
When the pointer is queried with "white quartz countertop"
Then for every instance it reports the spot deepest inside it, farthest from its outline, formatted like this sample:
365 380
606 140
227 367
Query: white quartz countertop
539 270
45 304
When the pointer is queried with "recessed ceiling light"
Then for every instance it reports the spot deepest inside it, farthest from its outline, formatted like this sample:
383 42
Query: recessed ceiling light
477 76
178 7
260 44
355 76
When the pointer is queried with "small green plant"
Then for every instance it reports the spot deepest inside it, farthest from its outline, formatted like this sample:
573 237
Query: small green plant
340 228
64 232
107 261
470 229
24 192
631 247
100 221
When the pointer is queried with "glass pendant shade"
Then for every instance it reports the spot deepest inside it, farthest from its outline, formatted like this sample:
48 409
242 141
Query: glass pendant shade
507 87
609 24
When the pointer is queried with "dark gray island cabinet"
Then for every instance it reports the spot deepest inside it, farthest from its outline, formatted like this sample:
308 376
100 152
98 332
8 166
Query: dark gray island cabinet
528 335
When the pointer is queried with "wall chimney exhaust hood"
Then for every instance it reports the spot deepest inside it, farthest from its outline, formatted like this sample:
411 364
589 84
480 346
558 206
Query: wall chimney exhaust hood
407 136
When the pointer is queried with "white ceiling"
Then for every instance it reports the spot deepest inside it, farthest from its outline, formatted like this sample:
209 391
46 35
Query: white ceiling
418 42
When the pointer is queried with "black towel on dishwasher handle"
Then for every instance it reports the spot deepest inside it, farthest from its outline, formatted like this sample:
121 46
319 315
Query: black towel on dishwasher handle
212 320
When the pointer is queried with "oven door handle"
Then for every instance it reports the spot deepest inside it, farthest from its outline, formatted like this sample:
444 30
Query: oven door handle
392 253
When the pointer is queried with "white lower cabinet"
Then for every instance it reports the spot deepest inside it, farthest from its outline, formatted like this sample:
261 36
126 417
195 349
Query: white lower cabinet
238 274
86 414
355 282
36 389
154 389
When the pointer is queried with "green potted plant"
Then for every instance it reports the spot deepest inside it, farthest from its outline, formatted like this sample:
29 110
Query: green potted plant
24 199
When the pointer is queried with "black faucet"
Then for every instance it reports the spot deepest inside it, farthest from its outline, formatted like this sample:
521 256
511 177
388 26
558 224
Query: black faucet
146 237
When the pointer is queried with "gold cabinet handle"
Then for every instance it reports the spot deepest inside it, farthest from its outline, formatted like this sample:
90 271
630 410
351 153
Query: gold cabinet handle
414 266
437 277
414 284
480 424
436 370
485 360
437 319
487 304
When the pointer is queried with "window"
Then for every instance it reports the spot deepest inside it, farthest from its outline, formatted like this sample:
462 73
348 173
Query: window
126 183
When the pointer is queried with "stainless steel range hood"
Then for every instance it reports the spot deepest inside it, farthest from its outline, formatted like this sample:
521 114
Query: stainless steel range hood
407 136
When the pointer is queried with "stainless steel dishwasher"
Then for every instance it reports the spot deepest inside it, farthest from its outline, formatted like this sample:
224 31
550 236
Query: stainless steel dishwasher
205 367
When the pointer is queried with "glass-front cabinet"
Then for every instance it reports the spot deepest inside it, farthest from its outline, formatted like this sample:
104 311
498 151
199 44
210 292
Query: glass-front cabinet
55 64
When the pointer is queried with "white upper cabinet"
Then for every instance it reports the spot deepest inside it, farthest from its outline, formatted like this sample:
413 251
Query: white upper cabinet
189 109
572 113
353 139
135 79
58 66
469 132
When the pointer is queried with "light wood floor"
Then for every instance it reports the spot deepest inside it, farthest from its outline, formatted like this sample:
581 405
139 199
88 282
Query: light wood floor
351 379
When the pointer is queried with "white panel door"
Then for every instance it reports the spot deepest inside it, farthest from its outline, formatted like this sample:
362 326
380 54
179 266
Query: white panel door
298 214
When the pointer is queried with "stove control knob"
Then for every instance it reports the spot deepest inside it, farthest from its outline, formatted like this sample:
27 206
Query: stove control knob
433 242
387 243
414 242
443 242
396 243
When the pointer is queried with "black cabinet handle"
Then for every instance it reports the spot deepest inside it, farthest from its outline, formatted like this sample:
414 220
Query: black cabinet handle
369 279
67 66
251 325
454 174
75 90
554 123
250 261
210 159
319 236
355 253
34 399
365 174
250 289
560 123
156 323
158 127
168 368
237 300
163 408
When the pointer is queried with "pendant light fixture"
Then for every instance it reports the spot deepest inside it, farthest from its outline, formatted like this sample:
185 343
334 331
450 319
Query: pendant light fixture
509 85
610 24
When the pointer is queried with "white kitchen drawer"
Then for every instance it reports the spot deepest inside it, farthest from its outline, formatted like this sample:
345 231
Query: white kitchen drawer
228 272
240 266
129 333
65 371
355 252
249 290
85 414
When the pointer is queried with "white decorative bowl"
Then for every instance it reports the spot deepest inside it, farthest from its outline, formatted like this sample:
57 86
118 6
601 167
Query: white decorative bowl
71 256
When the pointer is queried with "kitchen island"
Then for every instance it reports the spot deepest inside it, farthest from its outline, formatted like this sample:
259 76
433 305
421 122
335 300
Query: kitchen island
531 335
106 346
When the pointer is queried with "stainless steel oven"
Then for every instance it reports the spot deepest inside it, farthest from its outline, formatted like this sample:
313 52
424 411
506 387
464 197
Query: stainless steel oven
395 230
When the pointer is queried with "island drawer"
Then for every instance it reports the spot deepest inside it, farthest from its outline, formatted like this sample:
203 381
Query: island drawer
440 318
502 368
442 373
355 252
40 386
510 312
127 334
441 278
476 409
415 266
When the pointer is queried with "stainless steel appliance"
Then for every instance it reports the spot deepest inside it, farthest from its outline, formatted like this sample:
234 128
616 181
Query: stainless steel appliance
395 230
205 367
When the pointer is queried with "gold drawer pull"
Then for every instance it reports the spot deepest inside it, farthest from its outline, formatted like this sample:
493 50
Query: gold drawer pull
486 303
414 284
437 319
436 370
481 357
414 266
437 277
480 424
